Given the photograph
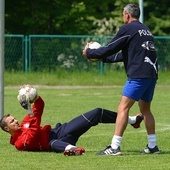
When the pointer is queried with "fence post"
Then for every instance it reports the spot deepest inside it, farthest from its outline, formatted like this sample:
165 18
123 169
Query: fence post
29 52
2 8
102 65
25 54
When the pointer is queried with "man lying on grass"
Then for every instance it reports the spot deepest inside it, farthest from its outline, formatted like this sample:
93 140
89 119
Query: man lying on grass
31 136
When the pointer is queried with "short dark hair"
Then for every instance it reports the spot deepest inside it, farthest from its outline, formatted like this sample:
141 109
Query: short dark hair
133 10
3 124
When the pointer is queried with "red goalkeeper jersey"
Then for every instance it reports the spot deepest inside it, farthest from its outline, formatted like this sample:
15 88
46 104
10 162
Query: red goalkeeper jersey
31 136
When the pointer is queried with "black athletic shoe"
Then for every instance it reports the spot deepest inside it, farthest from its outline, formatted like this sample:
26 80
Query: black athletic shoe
148 150
110 152
139 119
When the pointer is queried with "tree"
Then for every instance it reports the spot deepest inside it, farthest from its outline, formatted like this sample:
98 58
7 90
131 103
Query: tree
77 17
157 16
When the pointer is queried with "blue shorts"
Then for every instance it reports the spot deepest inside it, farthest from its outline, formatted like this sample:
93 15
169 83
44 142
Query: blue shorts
137 89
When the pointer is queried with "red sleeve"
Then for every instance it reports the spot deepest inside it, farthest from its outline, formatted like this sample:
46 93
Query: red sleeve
38 107
30 126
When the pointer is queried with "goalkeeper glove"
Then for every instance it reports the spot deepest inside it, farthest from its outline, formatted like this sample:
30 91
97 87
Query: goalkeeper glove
27 95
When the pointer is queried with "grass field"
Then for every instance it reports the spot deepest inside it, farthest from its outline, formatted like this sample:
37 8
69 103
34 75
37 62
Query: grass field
63 104
74 78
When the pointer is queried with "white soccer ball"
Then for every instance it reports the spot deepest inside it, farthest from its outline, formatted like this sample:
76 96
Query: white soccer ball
94 45
29 91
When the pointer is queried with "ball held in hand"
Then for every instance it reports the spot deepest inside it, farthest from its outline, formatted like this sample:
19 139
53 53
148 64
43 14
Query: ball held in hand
94 45
29 92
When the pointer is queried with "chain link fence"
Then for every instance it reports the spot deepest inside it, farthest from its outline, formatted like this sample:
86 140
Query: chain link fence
50 52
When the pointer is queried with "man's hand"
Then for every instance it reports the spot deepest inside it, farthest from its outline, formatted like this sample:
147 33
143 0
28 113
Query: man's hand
24 101
84 51
26 96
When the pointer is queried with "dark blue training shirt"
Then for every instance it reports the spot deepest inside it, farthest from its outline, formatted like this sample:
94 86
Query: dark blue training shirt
134 45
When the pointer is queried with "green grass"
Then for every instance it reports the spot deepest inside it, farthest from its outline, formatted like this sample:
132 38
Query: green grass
63 104
65 78
74 78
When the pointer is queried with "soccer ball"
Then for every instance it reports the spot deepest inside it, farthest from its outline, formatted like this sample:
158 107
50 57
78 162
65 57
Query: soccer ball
94 45
29 91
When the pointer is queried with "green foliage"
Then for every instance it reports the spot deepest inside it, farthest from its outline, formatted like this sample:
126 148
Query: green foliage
79 17
63 104
14 52
52 52
157 16
163 53
66 57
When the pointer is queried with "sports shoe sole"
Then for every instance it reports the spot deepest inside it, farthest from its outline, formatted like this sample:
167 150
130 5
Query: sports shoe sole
109 152
75 152
137 124
148 150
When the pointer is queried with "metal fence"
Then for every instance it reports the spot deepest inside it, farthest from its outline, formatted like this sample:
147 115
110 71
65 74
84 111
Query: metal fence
50 52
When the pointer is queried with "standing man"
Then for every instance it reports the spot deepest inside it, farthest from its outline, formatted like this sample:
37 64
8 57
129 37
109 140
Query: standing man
133 44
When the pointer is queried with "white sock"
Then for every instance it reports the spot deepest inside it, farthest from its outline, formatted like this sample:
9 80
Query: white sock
68 147
151 140
132 119
116 141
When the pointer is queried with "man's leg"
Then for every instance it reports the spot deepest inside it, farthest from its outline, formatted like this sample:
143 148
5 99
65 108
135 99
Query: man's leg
150 127
58 145
84 122
68 149
144 105
123 113
148 117
71 131
121 123
66 138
